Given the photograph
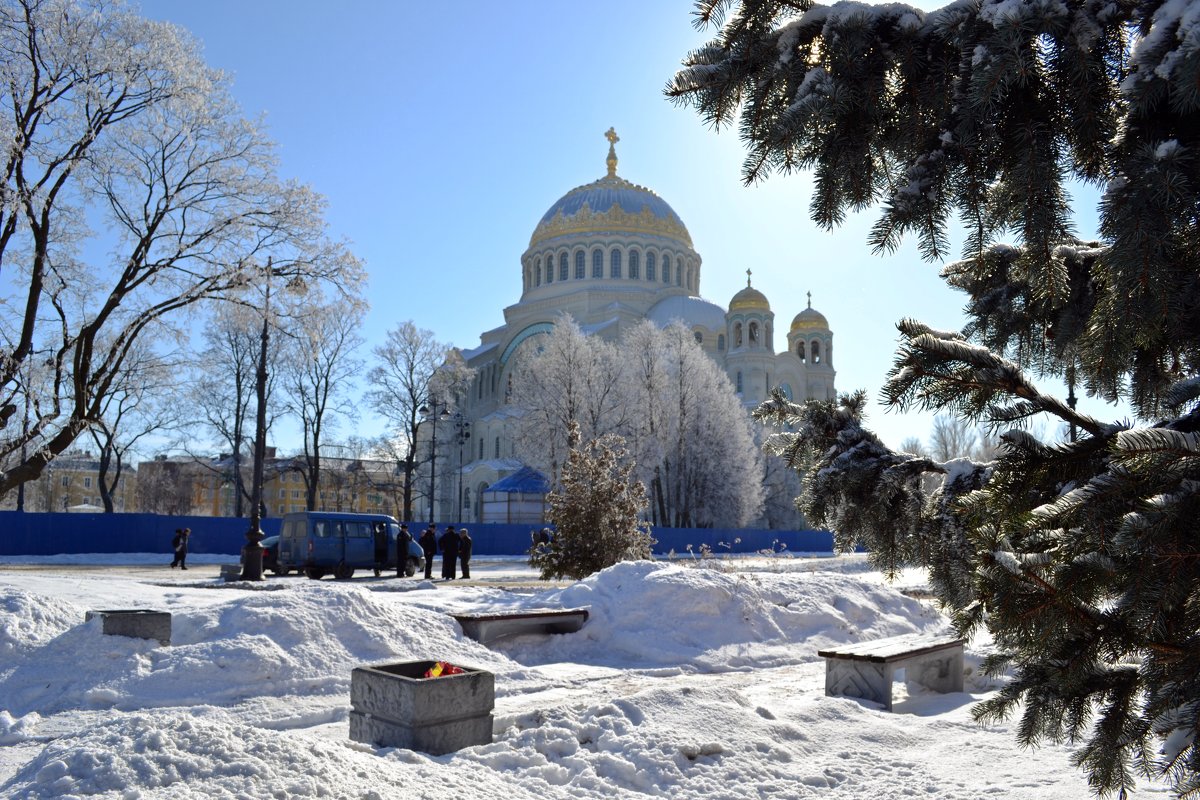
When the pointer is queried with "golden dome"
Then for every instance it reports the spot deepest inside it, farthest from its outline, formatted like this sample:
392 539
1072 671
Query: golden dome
749 299
810 319
610 205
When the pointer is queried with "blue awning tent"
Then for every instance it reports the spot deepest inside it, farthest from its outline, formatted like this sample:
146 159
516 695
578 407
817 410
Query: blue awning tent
519 498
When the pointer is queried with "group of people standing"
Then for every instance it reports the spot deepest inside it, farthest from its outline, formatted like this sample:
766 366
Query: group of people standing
455 547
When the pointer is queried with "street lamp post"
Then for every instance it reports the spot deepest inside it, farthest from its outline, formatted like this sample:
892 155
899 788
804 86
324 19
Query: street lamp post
432 413
462 432
252 567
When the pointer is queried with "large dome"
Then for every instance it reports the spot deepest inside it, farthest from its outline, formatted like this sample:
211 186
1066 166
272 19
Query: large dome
610 205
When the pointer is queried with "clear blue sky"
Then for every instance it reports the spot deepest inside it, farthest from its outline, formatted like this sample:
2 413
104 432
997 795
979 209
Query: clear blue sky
441 135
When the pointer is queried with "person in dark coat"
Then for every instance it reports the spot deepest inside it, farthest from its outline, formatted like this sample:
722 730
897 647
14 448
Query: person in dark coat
180 545
402 540
381 547
429 544
465 545
449 543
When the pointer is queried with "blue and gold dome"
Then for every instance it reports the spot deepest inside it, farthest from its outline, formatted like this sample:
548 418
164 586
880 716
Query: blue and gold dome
610 205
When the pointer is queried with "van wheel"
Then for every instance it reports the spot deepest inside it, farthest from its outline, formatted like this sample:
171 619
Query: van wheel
316 573
411 568
343 572
378 572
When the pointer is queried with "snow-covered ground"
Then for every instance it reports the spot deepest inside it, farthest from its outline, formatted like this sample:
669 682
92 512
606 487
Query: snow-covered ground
690 679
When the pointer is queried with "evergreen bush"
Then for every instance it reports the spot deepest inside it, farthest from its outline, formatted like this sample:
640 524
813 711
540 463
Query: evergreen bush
595 511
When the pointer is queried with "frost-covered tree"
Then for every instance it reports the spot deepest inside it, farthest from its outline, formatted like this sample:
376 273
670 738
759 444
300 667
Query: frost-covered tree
564 377
318 366
691 439
1082 558
401 381
147 402
698 456
224 390
952 437
131 191
595 511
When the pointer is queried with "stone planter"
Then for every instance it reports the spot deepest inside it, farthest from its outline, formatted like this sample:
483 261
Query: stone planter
393 706
140 623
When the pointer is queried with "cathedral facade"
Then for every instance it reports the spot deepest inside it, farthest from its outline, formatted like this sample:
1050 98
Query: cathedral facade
611 253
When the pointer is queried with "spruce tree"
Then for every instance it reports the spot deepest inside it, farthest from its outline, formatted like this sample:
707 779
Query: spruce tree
1081 558
595 511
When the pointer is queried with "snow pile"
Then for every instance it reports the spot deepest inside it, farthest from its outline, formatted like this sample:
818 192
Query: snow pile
259 644
650 614
28 621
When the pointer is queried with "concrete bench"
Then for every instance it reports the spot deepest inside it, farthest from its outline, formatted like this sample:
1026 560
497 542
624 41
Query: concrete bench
485 628
866 669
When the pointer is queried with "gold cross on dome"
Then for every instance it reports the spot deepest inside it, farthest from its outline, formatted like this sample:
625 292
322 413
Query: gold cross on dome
611 135
747 279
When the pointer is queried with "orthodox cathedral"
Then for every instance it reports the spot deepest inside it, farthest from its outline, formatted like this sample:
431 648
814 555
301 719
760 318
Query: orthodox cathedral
611 253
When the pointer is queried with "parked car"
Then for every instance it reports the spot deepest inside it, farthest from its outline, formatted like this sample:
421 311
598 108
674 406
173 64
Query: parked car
270 556
270 548
320 543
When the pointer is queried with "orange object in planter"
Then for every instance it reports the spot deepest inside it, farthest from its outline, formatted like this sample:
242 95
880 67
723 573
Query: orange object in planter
441 668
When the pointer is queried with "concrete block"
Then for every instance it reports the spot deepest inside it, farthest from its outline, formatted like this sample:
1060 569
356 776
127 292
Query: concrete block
140 623
231 572
392 705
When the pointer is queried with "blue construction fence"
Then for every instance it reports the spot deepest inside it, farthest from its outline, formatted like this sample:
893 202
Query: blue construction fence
35 534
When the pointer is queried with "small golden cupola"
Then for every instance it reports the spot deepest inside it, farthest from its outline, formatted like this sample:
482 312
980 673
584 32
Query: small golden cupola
749 299
809 319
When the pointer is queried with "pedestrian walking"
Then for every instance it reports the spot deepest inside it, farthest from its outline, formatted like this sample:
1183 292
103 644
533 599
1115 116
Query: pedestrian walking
180 545
449 543
465 545
429 544
402 540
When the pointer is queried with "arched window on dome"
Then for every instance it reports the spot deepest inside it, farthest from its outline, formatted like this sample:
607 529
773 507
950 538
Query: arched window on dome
563 266
614 263
580 265
801 350
666 268
720 341
635 265
550 269
679 274
650 271
496 452
688 284
753 335
537 272
737 334
597 263
739 382
816 352
481 448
